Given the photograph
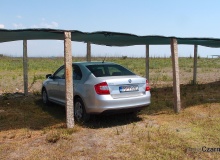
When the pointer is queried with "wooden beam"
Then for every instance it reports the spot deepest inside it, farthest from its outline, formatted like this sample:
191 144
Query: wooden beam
25 67
176 82
147 63
195 64
68 80
88 55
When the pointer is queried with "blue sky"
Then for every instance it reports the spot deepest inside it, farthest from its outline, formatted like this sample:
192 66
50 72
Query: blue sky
188 18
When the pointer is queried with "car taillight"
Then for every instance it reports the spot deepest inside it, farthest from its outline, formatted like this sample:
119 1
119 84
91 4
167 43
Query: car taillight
102 88
147 86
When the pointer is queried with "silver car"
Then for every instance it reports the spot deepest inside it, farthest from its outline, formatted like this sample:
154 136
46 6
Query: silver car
99 87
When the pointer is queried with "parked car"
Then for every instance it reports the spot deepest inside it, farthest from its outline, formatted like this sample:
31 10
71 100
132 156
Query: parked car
99 87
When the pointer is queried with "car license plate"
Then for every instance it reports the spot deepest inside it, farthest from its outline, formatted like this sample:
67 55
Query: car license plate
128 88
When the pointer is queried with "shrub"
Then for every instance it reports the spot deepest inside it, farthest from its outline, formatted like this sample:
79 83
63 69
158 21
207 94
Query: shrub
52 137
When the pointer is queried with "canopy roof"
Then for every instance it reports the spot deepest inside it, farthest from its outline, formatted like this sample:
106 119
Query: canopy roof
101 38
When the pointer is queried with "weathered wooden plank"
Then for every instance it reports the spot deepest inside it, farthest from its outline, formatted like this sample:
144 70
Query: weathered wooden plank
147 63
176 82
195 64
68 80
25 67
88 55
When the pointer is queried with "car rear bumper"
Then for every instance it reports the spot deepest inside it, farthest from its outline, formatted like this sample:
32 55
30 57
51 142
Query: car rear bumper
105 103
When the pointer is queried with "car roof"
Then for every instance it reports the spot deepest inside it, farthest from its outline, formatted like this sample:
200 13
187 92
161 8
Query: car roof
93 63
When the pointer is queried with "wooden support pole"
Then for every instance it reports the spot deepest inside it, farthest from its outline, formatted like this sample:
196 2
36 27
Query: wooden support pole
195 64
25 67
147 63
88 55
68 80
176 82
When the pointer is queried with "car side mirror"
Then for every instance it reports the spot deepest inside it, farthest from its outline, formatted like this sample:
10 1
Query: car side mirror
49 76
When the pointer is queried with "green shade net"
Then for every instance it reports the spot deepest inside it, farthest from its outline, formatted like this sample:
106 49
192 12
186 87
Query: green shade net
101 38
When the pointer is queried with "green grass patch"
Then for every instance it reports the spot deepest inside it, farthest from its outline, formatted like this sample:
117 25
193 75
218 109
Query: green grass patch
31 130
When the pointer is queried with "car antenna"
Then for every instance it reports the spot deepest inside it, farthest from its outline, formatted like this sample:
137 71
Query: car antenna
104 59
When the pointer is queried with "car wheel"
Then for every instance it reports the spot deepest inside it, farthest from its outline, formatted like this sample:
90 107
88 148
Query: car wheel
79 111
45 97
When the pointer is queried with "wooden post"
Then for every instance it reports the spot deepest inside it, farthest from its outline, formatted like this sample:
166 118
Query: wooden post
176 82
147 63
195 64
25 67
68 80
88 55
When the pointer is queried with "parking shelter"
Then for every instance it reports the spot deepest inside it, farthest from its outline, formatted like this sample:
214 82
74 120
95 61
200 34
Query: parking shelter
107 39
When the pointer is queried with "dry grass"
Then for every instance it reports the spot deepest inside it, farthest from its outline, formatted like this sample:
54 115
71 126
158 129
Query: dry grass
30 130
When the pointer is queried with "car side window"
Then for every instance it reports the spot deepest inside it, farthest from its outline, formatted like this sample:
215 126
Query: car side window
60 74
77 73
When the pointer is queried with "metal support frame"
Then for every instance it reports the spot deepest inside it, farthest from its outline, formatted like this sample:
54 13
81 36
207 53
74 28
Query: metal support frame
195 64
176 82
25 67
68 80
147 63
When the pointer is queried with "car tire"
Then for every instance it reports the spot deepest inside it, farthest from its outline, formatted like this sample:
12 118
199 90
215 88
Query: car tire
80 114
45 97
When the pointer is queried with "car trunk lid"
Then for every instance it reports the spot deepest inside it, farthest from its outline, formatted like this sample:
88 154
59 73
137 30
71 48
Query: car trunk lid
126 86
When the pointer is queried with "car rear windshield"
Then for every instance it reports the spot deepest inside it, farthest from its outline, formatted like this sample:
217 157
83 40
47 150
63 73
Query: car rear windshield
109 70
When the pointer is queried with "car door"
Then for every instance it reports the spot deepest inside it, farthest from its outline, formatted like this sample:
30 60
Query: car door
77 76
54 85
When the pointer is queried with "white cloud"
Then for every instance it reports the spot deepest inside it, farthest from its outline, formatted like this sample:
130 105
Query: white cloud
43 24
18 26
46 25
35 26
49 25
2 26
19 17
55 24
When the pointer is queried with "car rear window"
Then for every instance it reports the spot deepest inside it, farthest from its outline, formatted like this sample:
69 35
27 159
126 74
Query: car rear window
109 70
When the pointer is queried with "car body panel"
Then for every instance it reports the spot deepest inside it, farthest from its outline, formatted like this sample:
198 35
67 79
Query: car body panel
126 92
